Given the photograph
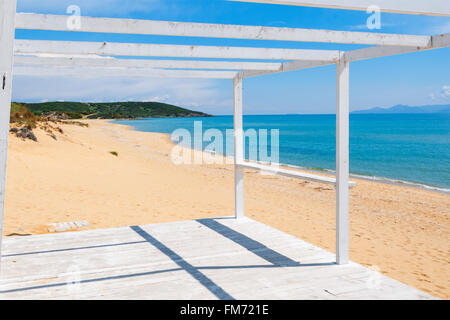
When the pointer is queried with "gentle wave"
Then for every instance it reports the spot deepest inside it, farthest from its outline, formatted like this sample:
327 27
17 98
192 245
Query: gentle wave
357 176
410 150
376 179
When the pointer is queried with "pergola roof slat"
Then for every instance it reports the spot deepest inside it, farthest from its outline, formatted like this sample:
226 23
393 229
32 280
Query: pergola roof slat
441 41
420 7
164 50
286 66
167 28
377 52
67 60
90 72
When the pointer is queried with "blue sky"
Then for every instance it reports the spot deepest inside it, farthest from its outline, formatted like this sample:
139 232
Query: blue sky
413 79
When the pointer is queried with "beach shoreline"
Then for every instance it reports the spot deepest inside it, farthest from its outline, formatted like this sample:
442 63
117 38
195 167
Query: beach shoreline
402 231
329 172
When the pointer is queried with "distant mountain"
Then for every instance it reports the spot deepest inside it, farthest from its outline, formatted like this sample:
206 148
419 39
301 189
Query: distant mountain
407 109
112 110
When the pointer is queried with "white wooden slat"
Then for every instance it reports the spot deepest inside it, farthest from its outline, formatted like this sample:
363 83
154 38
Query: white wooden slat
420 7
89 72
298 65
291 173
7 21
66 239
441 40
438 41
255 73
285 66
98 61
238 148
377 52
129 250
161 50
96 260
169 28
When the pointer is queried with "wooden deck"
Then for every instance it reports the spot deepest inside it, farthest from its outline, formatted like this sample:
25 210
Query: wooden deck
205 259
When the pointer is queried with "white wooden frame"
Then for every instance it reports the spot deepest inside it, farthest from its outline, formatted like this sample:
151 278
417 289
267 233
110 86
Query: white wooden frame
76 58
110 62
342 160
84 72
420 7
238 148
165 50
166 28
7 27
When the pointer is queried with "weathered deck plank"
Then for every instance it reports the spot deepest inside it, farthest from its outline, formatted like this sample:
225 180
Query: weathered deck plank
204 259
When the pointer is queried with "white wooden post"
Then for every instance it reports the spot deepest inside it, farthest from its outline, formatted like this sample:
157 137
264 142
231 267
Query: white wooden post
7 31
238 149
342 161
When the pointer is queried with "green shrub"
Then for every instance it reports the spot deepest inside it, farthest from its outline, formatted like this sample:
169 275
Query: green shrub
22 116
113 110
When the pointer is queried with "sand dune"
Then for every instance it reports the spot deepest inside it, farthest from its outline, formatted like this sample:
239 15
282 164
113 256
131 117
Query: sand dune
405 232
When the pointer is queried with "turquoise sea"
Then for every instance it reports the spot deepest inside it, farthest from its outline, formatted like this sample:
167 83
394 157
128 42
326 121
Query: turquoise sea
406 147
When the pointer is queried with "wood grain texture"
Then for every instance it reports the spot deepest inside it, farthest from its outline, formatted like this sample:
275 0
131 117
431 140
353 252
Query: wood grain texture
221 258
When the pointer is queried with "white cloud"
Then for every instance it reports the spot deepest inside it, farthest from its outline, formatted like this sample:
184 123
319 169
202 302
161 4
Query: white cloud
440 95
163 98
445 91
204 94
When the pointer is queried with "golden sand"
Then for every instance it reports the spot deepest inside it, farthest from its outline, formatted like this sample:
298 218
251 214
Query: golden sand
403 231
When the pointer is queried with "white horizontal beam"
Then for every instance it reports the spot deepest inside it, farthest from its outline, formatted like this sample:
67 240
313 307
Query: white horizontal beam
148 27
67 61
291 173
86 72
163 50
420 7
286 66
298 65
441 40
376 52
255 73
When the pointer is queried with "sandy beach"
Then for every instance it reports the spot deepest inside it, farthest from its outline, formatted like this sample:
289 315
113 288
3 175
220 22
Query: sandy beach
402 231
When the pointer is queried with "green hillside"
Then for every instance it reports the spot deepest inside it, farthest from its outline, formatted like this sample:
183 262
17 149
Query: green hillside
113 110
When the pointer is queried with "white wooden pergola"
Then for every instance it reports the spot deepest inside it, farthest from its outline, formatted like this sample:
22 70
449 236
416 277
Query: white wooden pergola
75 58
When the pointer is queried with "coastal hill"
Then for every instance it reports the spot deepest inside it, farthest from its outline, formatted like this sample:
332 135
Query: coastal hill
113 110
407 109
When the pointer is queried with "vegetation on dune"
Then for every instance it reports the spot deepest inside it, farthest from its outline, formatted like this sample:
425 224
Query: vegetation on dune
47 115
23 121
21 116
113 110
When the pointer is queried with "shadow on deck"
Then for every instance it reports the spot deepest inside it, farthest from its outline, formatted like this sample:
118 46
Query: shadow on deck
209 258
